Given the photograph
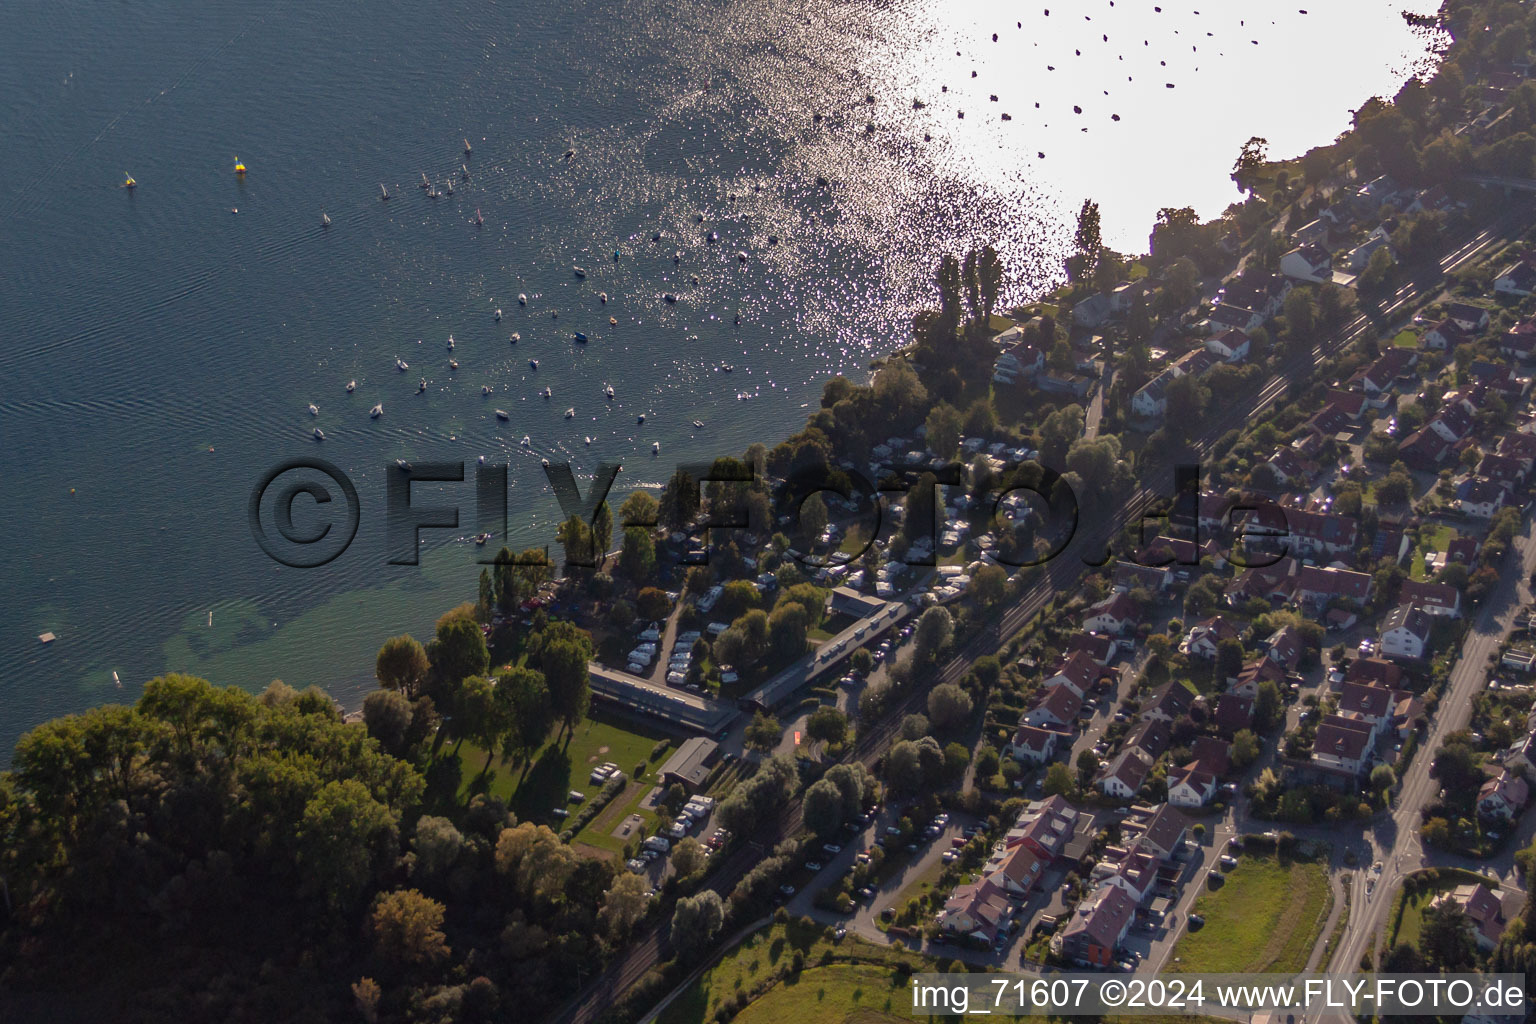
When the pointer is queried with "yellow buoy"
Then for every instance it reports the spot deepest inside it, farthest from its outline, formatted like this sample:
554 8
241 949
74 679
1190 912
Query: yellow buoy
239 167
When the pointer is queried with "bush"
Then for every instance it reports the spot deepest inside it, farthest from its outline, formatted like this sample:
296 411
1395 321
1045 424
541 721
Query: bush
612 788
660 749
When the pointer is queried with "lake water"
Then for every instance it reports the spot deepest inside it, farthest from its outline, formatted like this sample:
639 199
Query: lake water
158 350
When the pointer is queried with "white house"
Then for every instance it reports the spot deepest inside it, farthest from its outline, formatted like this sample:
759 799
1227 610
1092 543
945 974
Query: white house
1308 263
1519 279
1232 346
1032 744
1405 632
1502 796
1151 401
1190 786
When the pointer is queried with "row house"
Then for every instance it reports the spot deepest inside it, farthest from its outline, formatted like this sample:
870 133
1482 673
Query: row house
1445 336
1320 534
1098 926
1254 674
1480 498
1309 262
977 910
1077 671
1285 648
1057 709
1232 346
1318 586
1044 826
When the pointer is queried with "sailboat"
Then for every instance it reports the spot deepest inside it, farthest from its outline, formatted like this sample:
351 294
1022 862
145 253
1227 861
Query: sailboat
239 168
325 219
116 681
128 181
383 192
479 220
376 411
468 149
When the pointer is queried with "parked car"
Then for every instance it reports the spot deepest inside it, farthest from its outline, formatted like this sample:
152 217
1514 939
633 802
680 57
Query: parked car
832 849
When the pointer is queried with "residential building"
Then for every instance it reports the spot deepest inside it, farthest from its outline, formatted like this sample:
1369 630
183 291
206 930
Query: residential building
1098 926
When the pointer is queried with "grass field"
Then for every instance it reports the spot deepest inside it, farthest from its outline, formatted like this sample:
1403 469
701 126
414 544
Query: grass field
1265 918
1408 910
1407 338
859 986
1432 537
459 771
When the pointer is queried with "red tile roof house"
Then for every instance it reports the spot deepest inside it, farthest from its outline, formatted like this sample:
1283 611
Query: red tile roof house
1057 709
1452 423
1033 744
1129 575
1134 872
1480 498
1016 871
1507 471
1285 647
1381 374
1482 908
1370 704
1445 336
1467 316
1463 549
1150 736
1519 342
1274 583
1521 446
1098 926
976 910
1190 786
1232 346
1424 450
1503 796
1205 635
1258 671
1114 615
1290 469
1342 744
1078 672
1438 599
1167 702
1123 779
1321 533
1376 671
1100 648
1045 826
1316 587
1212 754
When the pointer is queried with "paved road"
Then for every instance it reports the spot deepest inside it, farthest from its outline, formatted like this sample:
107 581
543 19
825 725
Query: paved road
1394 841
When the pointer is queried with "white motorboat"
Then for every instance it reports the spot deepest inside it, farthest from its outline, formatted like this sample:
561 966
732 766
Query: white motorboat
319 434
514 337
533 364
314 410
501 414
498 314
608 390
698 424
525 442
402 465
485 389
401 364
453 364
351 386
422 386
376 411
522 298
548 392
579 271
570 413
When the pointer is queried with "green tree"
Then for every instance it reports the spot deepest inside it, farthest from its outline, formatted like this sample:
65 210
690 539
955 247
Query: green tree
387 717
1058 780
402 665
688 856
346 838
566 664
1087 766
1245 749
637 558
1250 163
640 509
822 808
943 429
1445 937
827 724
602 530
525 710
763 732
679 500
407 928
935 629
949 707
696 920
1087 243
624 904
813 516
457 651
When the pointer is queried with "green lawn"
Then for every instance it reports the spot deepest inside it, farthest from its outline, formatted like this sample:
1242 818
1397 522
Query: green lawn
1432 537
858 986
1406 338
1408 910
459 771
1265 918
